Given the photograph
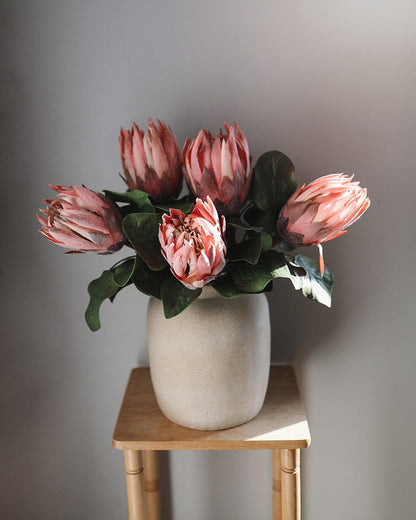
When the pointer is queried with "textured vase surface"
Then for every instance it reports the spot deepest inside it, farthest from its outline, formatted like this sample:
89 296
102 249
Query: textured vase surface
210 364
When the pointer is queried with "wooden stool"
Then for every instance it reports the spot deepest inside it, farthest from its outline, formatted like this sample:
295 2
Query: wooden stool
142 430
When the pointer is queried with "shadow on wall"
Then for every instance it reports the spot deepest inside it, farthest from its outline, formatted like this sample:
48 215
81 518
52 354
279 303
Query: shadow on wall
299 326
294 318
40 394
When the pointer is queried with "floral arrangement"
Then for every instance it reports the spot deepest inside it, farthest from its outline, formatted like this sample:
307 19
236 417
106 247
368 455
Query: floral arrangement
236 229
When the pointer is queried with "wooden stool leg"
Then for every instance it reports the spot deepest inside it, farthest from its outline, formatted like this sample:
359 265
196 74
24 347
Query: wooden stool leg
133 462
290 463
151 485
277 486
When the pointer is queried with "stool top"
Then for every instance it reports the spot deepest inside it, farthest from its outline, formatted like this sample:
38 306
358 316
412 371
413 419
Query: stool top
281 423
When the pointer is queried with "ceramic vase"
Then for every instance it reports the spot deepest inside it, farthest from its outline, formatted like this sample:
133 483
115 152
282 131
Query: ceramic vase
210 364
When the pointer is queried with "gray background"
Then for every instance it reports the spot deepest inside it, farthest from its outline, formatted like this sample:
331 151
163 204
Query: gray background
329 83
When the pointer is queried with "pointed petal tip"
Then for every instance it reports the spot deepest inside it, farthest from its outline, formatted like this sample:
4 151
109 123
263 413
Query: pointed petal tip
321 259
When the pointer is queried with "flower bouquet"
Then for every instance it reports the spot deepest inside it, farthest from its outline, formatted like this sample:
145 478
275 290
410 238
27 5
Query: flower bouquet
236 228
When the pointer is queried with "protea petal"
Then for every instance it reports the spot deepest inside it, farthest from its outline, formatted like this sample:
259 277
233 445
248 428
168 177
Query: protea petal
138 167
322 210
198 243
219 167
82 220
151 161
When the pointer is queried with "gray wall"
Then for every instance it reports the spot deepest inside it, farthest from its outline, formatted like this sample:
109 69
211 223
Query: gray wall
329 83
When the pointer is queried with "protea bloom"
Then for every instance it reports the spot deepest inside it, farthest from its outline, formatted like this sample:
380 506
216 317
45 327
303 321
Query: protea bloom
82 220
322 211
152 160
219 167
194 244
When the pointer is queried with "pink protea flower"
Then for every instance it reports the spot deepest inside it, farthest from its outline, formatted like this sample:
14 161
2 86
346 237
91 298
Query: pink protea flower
82 220
152 160
322 211
219 167
194 244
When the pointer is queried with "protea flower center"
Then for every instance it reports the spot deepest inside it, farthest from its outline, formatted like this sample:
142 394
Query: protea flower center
188 231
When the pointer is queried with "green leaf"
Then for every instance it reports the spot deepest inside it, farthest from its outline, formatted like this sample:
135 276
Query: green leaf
225 286
99 289
266 242
142 230
235 222
250 249
176 297
254 279
303 272
307 276
123 271
138 198
147 281
184 206
273 180
272 185
266 220
286 247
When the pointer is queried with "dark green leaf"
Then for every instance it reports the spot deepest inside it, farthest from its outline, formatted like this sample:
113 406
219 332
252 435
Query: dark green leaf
147 281
123 271
112 298
176 297
254 279
251 280
286 247
306 276
99 289
273 180
225 286
250 249
138 198
142 230
266 242
272 185
275 263
184 206
267 220
237 223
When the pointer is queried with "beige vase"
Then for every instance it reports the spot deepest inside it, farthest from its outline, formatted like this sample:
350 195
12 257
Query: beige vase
210 364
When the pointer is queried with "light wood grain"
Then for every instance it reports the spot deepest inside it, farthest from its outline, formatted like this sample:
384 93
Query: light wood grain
280 424
277 486
290 464
133 463
151 485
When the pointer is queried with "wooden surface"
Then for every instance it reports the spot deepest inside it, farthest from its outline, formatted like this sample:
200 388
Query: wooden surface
133 462
281 424
151 484
290 475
